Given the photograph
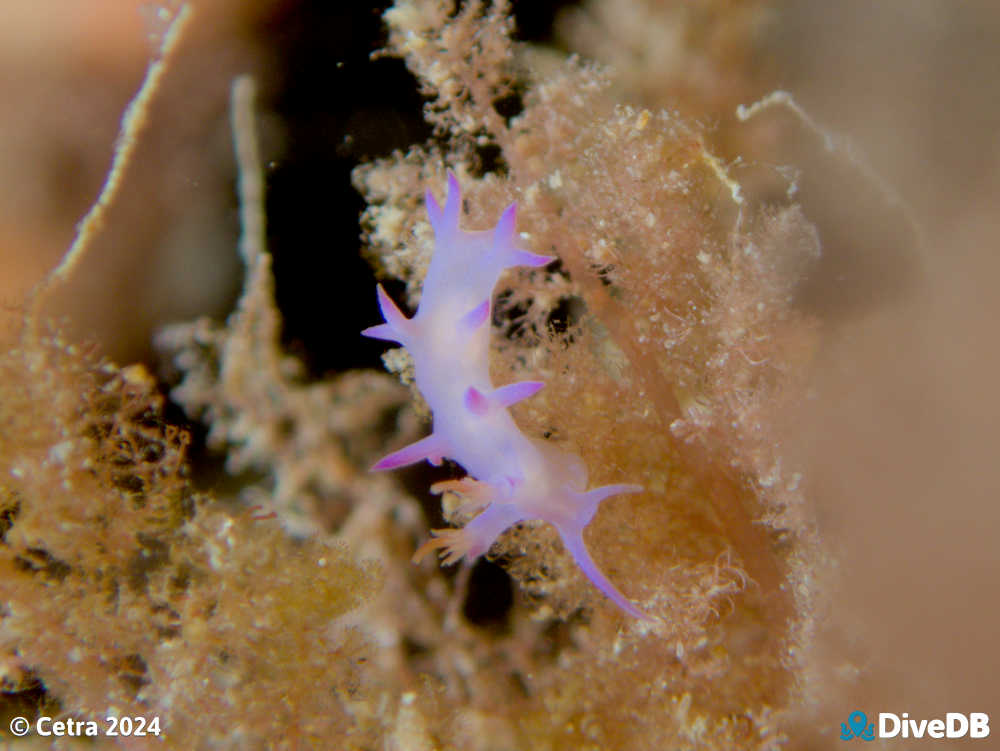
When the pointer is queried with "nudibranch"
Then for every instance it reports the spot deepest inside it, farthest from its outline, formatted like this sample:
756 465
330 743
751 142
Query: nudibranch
510 476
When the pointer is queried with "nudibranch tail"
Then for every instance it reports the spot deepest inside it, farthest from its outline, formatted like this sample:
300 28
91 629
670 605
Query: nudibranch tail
592 498
573 540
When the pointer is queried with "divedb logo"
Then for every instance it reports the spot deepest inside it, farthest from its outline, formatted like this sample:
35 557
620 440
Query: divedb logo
890 725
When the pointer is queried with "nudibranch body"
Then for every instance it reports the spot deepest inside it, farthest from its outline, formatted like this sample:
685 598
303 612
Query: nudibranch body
511 476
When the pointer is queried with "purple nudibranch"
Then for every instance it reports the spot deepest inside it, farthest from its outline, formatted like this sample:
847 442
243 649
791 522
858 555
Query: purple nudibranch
511 476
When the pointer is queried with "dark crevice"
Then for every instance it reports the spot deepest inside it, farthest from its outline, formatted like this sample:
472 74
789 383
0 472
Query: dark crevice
490 595
339 108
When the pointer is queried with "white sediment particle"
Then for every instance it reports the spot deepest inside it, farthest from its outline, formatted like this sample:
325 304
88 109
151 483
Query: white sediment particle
60 452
